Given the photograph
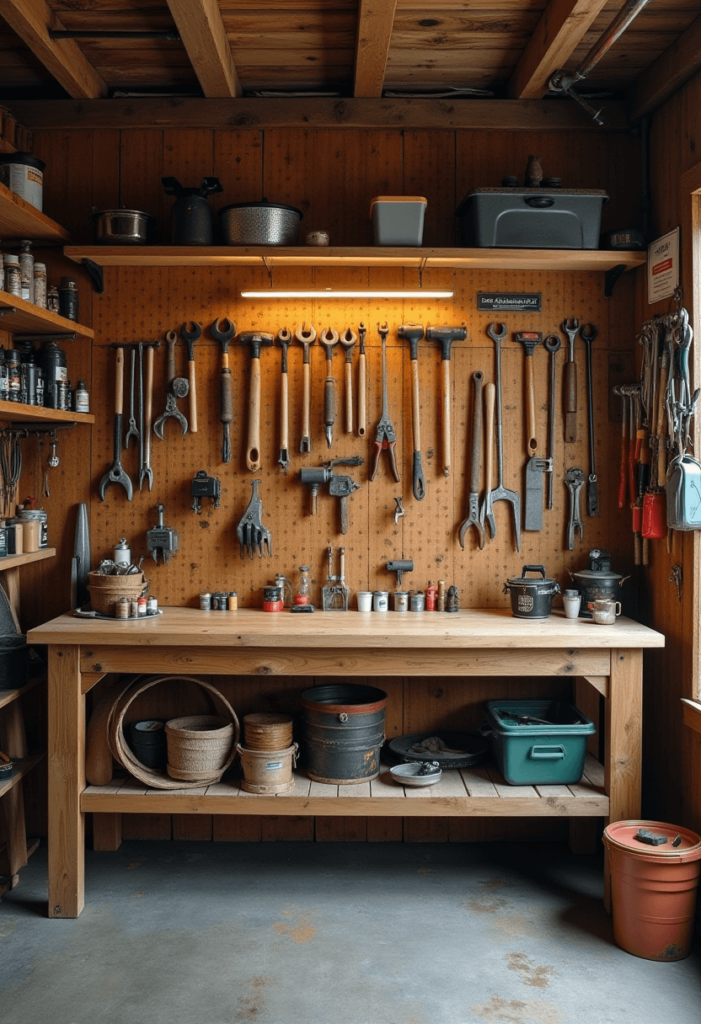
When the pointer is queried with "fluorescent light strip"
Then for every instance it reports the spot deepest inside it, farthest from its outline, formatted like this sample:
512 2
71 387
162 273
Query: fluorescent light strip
419 294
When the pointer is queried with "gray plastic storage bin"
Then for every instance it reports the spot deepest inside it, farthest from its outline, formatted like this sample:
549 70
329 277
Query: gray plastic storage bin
398 220
531 218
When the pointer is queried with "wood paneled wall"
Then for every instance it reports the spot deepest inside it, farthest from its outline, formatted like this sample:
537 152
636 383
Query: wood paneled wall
332 176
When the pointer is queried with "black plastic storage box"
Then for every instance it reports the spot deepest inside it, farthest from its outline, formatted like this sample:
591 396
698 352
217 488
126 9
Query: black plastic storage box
537 742
531 218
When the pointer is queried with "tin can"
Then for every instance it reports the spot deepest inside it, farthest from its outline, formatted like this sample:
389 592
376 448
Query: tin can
205 601
3 541
152 606
417 601
380 600
122 608
233 601
13 276
40 285
133 609
401 601
142 605
68 298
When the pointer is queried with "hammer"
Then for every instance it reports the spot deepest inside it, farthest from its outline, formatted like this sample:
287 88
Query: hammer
256 339
306 338
529 340
446 336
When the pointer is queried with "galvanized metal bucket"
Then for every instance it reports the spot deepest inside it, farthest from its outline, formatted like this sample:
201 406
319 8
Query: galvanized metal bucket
344 729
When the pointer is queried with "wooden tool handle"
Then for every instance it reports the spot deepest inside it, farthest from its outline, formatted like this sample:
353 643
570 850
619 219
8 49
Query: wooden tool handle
193 397
349 398
284 411
329 402
148 404
170 341
662 425
489 396
306 400
119 383
570 395
532 442
253 452
362 388
415 423
226 414
445 373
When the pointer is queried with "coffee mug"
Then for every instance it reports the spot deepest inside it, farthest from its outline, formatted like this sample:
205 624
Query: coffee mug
605 611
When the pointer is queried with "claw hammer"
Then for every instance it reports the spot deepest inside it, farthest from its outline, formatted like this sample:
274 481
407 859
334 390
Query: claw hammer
446 336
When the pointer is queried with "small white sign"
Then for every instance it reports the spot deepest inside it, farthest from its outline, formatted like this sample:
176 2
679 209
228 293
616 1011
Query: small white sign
663 267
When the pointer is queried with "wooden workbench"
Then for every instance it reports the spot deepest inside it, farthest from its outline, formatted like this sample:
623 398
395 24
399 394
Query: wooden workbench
468 643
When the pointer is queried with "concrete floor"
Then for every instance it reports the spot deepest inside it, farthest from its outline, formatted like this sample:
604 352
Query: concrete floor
304 933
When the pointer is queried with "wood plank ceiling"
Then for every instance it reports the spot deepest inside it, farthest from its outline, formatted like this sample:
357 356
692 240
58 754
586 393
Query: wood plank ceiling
361 48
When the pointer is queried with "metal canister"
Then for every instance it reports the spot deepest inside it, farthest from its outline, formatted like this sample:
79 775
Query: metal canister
121 552
380 600
13 275
233 601
26 265
39 516
53 363
122 608
52 300
40 288
531 598
598 581
417 601
29 377
343 732
68 298
152 606
205 601
3 541
14 375
401 601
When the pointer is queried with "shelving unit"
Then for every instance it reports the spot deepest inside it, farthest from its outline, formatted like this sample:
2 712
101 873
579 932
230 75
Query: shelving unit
19 219
15 561
26 318
18 413
367 256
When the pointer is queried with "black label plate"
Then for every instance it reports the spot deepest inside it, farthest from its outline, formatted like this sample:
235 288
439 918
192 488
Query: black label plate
506 302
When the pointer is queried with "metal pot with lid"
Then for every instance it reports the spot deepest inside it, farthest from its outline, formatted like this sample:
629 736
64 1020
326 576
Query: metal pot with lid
598 581
260 223
531 598
121 226
192 220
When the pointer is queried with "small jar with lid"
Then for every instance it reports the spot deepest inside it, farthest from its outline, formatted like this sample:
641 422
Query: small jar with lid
81 398
52 299
68 298
26 264
40 289
14 379
13 275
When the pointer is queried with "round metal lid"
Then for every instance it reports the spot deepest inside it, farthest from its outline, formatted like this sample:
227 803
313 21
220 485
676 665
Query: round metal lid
597 574
643 838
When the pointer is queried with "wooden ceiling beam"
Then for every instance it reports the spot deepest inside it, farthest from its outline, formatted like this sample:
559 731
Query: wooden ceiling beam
32 20
557 35
669 72
256 114
375 21
202 31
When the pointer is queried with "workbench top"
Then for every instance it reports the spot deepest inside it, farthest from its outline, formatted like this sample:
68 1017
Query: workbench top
468 628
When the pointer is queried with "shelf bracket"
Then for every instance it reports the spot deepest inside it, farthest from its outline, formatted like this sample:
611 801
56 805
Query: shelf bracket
422 267
610 278
269 269
4 310
96 273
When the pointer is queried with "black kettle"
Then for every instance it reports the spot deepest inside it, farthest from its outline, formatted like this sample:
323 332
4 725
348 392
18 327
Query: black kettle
192 220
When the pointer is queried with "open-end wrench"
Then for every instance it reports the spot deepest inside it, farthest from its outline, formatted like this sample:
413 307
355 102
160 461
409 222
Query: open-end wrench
413 334
574 480
284 337
587 333
385 437
328 339
190 337
552 345
306 338
501 493
348 339
145 471
486 506
362 384
133 430
178 388
473 518
570 327
116 474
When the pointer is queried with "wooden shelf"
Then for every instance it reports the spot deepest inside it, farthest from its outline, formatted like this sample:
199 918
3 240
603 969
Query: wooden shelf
31 319
22 766
7 696
13 561
368 256
19 413
19 219
471 791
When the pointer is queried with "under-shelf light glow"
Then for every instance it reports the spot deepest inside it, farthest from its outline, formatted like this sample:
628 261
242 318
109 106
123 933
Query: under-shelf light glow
333 294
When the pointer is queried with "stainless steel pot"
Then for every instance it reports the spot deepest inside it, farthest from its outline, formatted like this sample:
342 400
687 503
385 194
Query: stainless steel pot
122 227
531 598
260 223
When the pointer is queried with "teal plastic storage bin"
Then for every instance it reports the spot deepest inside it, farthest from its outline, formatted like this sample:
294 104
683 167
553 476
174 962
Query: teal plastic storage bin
537 742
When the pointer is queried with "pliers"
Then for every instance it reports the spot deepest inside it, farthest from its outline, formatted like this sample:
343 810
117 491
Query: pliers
385 437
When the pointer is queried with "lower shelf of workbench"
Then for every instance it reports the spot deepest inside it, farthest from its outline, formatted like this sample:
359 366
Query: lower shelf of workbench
471 791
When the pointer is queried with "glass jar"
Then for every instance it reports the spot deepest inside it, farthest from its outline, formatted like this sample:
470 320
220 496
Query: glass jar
302 595
13 275
40 285
39 516
26 264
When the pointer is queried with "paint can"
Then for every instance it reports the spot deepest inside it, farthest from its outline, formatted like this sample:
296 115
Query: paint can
344 729
267 771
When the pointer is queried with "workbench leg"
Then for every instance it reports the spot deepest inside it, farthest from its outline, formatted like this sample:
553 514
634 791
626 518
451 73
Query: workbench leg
623 747
107 832
66 783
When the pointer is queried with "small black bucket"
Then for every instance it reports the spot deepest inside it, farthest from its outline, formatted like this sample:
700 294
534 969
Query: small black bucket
148 742
344 729
14 661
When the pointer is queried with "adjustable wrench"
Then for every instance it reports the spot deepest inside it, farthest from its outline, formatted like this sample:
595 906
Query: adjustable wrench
570 382
133 430
179 387
587 333
328 339
473 518
574 480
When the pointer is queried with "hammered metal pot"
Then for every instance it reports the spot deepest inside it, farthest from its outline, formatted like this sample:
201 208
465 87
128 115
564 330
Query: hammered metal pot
260 223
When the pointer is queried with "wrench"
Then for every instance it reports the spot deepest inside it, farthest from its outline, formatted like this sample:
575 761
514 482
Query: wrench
348 340
570 382
133 429
179 386
473 518
116 474
385 437
500 493
306 338
587 333
284 338
574 479
328 339
552 345
362 407
146 401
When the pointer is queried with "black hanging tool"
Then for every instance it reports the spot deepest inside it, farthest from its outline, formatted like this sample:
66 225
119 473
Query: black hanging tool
339 486
203 486
400 566
161 538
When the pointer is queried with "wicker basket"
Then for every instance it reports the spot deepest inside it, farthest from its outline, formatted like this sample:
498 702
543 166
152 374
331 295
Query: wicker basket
198 746
267 731
105 591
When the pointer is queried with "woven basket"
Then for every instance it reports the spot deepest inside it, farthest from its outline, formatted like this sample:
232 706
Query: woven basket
125 756
267 731
198 746
105 591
